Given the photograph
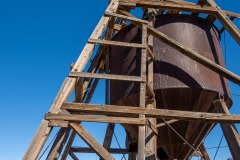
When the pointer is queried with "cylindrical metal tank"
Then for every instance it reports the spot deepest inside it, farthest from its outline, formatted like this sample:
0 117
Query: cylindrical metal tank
180 83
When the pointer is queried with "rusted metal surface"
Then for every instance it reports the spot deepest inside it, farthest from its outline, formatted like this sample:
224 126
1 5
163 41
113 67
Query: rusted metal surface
179 82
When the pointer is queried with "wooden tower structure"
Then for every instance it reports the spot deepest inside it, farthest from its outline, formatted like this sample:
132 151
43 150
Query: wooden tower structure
68 116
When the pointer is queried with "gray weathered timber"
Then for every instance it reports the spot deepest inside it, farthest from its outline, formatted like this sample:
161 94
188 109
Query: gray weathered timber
87 118
142 98
90 150
128 111
107 76
226 22
117 43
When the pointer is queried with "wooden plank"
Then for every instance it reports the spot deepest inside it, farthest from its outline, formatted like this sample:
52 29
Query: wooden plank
126 17
90 140
128 111
117 43
192 54
211 18
201 3
58 144
167 122
107 76
91 91
142 98
90 150
152 127
108 136
151 130
44 130
68 146
196 154
151 54
204 152
229 130
132 156
86 118
62 124
223 29
149 90
164 5
226 22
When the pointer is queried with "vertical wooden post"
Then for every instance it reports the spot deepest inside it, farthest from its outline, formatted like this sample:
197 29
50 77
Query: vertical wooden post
111 126
151 139
202 149
58 144
229 130
132 156
142 98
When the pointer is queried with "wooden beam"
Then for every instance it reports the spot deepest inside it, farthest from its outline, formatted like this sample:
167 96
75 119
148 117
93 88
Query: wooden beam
68 146
58 144
90 140
229 130
142 96
126 17
223 29
167 122
92 88
62 124
74 157
132 156
117 43
107 76
44 130
226 22
86 118
177 7
90 150
151 130
203 150
201 3
192 54
108 136
128 111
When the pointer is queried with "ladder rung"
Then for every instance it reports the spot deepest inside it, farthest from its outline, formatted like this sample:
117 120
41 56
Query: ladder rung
117 43
107 76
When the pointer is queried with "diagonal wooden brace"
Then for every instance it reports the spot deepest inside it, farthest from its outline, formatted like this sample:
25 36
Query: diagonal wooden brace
229 130
90 140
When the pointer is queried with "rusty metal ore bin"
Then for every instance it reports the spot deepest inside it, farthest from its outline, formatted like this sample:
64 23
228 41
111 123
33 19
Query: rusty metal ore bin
180 83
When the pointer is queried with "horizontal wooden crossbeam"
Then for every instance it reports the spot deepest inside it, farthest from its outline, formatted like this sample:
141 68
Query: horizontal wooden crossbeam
126 17
175 6
90 150
88 118
117 43
127 111
107 76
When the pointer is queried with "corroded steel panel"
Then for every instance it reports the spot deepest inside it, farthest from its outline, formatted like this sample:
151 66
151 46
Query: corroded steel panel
180 83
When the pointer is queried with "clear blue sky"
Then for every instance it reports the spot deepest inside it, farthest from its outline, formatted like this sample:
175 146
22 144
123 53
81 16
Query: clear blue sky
38 42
